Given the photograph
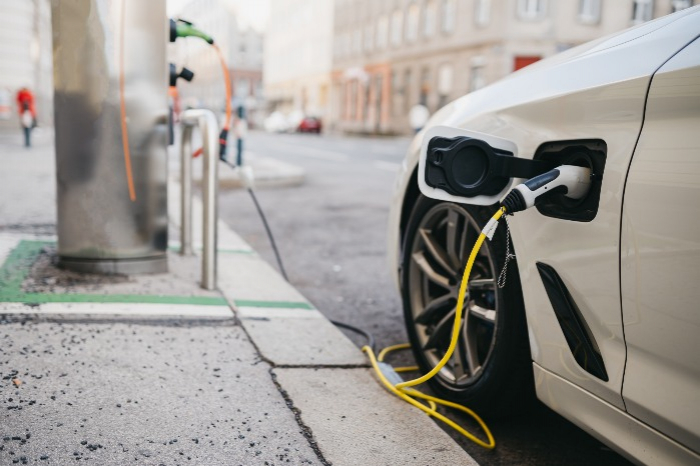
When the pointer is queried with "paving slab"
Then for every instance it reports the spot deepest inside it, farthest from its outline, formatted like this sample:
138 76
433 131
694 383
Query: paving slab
249 279
299 337
355 421
159 393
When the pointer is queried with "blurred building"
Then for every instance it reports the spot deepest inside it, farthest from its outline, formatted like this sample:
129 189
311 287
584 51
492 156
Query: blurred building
25 59
298 56
389 55
242 49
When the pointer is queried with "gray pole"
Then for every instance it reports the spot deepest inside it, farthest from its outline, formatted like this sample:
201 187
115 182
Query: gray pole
210 187
186 191
98 46
209 130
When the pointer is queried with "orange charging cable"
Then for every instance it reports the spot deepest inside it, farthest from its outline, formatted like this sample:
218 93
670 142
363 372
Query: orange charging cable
227 82
122 108
223 136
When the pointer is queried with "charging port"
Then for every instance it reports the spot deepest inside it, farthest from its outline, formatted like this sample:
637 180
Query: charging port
589 153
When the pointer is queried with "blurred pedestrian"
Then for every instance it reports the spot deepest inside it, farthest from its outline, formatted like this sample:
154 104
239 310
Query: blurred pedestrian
27 113
418 116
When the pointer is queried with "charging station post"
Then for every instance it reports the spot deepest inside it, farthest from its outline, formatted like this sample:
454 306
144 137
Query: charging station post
109 69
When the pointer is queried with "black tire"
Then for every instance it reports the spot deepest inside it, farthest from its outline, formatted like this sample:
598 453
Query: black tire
499 379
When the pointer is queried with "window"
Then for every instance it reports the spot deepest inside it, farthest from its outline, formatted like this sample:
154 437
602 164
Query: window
336 46
482 12
395 93
382 32
424 86
449 11
444 84
430 18
369 38
412 18
531 9
357 41
589 11
642 11
476 74
396 27
677 5
378 100
407 85
344 44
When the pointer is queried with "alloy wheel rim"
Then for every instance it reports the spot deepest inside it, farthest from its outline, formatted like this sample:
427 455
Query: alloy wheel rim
441 246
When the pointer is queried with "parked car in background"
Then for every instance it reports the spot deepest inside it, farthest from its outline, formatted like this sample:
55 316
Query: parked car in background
276 123
600 312
309 125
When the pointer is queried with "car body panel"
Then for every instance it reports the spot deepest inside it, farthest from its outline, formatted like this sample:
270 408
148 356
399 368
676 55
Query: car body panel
660 256
627 435
584 94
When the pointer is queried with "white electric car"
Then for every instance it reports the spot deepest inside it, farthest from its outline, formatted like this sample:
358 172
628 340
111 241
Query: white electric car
600 312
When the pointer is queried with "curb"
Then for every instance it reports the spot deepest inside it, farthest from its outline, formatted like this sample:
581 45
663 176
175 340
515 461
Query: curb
267 173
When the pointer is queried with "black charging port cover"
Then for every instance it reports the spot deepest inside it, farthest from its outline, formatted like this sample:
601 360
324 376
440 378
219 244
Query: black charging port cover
464 166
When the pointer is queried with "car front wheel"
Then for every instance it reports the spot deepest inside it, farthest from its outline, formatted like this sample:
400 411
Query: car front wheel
490 370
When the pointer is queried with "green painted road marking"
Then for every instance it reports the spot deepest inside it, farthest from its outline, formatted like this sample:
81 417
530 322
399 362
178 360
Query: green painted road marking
273 304
18 263
16 267
20 260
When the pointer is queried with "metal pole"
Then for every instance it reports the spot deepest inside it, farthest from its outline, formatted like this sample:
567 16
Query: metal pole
209 129
186 190
210 140
100 228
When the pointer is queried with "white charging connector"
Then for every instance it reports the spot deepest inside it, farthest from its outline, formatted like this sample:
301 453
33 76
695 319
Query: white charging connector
571 181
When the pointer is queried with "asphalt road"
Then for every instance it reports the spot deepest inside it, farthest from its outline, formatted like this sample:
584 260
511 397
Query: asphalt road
331 233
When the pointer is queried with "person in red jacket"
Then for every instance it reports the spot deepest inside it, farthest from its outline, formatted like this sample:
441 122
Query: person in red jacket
27 113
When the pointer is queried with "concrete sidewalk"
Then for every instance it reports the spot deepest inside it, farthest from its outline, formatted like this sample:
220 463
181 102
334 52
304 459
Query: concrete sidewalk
155 370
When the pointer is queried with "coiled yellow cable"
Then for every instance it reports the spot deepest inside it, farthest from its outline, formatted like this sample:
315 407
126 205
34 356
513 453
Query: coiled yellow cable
405 392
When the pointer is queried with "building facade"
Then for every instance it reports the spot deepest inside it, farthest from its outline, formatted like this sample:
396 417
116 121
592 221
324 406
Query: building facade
390 55
26 59
298 56
242 49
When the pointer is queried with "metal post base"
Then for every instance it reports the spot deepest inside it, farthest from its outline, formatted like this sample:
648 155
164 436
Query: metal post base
115 266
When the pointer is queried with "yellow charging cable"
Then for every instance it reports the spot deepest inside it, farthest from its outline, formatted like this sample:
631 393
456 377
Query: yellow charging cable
404 391
389 349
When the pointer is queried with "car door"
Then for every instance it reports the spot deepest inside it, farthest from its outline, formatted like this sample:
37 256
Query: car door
660 256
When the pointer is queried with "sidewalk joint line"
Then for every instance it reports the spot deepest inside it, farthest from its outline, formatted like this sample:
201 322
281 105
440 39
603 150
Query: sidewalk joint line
305 430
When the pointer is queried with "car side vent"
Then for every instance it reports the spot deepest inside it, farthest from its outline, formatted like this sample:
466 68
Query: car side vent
578 336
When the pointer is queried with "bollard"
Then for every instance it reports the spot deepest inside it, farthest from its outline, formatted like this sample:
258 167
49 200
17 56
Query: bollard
206 121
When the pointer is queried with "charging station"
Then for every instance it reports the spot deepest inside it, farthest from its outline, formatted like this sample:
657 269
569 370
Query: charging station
110 80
